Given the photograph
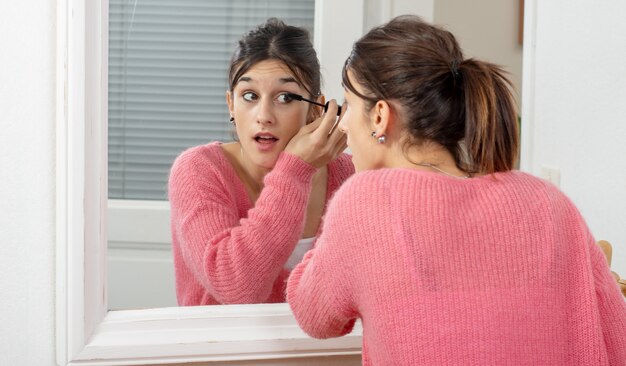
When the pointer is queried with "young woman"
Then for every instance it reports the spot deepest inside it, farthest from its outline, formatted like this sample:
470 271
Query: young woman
244 213
447 254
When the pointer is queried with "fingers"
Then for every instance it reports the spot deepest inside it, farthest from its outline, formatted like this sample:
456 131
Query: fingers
334 127
336 136
311 127
318 143
615 276
620 281
329 119
607 249
327 122
339 142
325 127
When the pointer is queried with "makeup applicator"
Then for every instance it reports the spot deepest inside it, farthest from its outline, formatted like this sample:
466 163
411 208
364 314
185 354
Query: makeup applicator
301 98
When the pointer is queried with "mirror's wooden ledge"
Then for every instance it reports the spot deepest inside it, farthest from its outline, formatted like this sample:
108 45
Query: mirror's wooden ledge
206 333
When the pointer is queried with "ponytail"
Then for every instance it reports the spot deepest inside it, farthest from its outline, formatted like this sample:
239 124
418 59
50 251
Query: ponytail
466 106
491 130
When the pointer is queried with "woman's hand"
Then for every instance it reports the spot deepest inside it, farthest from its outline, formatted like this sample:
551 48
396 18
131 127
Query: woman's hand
318 143
621 282
607 249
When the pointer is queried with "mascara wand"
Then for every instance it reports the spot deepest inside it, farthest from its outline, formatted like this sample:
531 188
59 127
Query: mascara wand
301 98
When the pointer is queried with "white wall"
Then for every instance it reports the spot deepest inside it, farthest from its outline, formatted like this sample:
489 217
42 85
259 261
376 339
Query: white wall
380 11
486 29
334 35
27 183
574 117
580 89
351 27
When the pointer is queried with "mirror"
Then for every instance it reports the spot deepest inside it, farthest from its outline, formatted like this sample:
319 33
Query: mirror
87 332
168 66
167 76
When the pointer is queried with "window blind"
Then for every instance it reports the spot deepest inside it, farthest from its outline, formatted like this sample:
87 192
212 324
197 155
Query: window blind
168 64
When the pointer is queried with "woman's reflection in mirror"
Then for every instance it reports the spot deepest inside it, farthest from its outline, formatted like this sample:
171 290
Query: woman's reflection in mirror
244 213
446 253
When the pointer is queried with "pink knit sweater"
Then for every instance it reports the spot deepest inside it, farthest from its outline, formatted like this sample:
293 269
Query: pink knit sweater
493 270
227 251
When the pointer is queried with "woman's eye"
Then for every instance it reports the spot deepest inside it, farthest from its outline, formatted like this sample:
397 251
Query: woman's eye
284 98
249 96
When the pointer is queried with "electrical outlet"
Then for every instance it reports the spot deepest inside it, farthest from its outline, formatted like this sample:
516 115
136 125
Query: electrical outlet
551 174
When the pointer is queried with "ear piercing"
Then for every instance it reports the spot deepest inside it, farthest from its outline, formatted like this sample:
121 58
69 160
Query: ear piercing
381 139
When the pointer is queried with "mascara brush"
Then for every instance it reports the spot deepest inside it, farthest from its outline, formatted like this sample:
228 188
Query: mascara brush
300 97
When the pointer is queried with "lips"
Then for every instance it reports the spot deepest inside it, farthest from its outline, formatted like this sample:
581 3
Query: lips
265 137
265 141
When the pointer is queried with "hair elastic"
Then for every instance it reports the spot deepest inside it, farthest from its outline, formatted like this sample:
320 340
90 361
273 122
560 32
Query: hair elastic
455 70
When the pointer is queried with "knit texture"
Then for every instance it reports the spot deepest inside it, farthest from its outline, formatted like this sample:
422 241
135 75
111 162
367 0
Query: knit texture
227 251
492 270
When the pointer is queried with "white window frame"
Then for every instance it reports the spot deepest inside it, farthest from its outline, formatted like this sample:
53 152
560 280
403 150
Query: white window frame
88 334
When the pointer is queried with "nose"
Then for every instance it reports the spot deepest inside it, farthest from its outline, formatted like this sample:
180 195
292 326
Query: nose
265 113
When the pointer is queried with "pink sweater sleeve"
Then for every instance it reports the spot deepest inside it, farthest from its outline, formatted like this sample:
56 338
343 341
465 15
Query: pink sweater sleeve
237 261
319 289
611 306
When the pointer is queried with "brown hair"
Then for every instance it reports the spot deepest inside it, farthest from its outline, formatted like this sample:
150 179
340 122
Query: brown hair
464 105
274 40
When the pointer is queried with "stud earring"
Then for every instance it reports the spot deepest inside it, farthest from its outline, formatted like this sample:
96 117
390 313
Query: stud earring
232 120
381 139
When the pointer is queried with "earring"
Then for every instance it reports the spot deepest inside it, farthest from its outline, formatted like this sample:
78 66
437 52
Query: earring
381 139
232 120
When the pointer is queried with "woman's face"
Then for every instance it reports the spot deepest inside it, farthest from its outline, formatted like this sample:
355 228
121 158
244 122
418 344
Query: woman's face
265 118
355 124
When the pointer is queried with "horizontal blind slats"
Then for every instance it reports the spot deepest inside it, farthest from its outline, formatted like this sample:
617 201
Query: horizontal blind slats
168 63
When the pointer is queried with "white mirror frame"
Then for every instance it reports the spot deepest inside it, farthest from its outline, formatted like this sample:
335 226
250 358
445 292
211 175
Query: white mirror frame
88 334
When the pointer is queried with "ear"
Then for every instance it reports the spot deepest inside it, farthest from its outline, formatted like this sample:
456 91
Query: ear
229 102
321 99
382 118
315 111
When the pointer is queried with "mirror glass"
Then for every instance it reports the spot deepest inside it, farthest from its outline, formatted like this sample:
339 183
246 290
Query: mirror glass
168 63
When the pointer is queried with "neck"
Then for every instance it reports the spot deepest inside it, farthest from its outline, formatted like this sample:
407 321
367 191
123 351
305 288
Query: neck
253 175
429 157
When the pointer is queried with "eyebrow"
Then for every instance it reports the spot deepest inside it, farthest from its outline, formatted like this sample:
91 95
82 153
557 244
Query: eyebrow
282 80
